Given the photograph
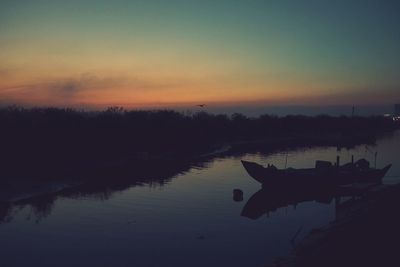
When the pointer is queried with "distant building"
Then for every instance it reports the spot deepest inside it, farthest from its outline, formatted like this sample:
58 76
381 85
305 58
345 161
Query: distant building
397 109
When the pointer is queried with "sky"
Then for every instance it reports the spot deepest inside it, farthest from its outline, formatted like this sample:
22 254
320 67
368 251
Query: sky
165 53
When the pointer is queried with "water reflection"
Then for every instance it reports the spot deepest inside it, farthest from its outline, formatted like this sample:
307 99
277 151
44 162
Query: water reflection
267 201
101 189
5 212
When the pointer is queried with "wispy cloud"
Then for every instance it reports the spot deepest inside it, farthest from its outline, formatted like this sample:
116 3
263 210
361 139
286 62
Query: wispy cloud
85 87
84 82
63 90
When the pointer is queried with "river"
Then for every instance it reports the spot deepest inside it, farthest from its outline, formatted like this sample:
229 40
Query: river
190 220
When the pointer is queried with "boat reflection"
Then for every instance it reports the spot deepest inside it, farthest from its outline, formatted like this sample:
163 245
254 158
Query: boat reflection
268 200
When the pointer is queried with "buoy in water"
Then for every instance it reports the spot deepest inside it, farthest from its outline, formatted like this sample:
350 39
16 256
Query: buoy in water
237 195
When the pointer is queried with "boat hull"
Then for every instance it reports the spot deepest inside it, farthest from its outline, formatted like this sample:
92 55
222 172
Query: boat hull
312 177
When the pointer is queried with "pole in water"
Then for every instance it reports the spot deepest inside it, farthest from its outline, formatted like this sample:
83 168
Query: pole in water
352 159
337 161
376 154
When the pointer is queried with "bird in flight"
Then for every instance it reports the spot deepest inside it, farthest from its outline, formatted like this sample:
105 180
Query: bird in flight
201 105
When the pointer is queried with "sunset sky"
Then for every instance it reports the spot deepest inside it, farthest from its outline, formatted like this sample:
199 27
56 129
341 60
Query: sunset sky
167 52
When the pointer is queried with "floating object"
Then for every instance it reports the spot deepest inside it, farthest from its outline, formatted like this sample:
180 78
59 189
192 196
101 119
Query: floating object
237 195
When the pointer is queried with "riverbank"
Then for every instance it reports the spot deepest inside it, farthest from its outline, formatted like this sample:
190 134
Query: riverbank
33 180
59 136
365 232
44 149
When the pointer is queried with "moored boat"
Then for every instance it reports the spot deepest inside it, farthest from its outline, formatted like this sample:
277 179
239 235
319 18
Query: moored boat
324 174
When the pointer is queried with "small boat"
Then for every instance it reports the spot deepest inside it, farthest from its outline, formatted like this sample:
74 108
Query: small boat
324 174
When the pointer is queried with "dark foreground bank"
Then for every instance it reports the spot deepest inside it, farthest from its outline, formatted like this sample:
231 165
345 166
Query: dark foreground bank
365 232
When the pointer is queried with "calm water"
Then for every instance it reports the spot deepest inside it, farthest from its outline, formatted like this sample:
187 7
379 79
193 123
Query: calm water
190 221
